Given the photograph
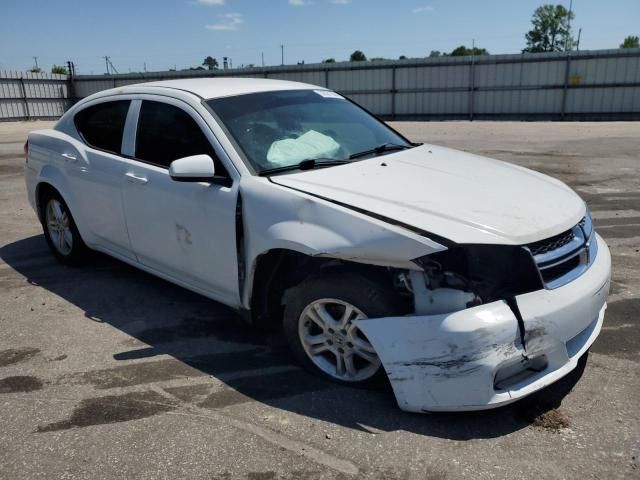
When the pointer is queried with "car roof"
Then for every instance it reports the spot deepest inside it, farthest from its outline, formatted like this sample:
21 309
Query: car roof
225 87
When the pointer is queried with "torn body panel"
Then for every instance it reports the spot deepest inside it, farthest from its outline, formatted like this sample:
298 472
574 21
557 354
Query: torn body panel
474 358
282 218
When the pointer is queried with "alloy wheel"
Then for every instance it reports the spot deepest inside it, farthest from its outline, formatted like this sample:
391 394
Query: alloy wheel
334 343
59 227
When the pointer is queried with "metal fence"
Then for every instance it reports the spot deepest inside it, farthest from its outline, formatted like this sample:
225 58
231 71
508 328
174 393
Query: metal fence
587 85
28 95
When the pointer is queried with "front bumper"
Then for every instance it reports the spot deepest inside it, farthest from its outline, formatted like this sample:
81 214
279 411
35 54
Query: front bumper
474 359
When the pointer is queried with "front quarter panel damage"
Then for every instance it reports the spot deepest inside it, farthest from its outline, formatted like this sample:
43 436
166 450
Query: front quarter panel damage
276 217
478 358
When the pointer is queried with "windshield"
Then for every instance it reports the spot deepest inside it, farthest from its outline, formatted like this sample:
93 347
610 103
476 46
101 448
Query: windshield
278 130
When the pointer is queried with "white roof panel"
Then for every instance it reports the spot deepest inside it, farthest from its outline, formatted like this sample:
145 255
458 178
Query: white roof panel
227 86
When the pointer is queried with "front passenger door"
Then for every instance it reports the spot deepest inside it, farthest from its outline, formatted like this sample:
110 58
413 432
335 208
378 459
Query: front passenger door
185 231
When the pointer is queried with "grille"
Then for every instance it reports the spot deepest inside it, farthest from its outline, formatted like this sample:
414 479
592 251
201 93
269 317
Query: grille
551 244
552 273
565 256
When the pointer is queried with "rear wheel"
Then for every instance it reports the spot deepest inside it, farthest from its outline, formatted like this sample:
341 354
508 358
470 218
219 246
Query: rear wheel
60 230
320 323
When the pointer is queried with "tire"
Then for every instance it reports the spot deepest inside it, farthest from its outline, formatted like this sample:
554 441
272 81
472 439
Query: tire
60 229
333 293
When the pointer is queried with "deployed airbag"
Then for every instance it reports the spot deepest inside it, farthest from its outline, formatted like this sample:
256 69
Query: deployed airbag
307 146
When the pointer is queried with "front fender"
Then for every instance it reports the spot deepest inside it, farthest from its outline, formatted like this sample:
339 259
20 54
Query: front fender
276 217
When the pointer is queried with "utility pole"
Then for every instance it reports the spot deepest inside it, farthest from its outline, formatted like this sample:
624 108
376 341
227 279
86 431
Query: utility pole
282 54
107 62
566 40
263 59
145 67
578 41
71 79
36 60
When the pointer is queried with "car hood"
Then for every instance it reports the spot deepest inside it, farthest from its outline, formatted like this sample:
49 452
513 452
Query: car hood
463 197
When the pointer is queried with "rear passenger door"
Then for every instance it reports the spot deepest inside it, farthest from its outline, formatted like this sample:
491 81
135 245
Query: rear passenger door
96 176
185 231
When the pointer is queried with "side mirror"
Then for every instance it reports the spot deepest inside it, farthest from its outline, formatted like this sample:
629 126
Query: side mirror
196 168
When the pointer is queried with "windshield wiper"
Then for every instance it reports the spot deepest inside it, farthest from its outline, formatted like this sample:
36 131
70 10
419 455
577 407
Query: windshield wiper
308 164
385 147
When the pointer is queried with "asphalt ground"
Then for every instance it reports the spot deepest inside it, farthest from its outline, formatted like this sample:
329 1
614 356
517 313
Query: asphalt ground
108 372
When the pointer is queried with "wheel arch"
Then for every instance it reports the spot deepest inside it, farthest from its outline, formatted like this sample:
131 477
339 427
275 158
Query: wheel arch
281 269
50 177
42 188
45 186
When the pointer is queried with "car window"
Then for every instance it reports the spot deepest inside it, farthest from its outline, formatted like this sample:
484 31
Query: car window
283 128
101 125
166 133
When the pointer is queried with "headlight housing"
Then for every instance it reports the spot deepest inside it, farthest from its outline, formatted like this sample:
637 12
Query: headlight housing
492 272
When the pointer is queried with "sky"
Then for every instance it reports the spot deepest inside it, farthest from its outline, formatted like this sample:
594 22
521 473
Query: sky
166 34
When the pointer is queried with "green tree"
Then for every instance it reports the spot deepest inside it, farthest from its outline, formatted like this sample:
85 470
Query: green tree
358 56
402 57
434 53
36 70
551 30
630 42
210 62
329 60
464 51
59 69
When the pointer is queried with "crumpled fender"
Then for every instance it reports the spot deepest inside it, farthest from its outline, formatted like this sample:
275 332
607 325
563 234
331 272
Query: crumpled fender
277 217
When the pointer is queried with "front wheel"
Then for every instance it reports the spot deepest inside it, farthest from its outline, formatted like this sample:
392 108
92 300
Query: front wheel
320 325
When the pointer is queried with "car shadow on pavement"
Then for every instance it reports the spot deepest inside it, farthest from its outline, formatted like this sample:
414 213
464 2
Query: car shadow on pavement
195 337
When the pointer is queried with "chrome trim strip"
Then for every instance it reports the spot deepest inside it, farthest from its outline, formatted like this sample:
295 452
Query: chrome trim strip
562 260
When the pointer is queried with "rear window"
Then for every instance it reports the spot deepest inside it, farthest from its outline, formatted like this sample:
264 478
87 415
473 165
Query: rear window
101 126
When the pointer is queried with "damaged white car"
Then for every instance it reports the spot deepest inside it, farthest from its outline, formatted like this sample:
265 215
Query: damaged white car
468 282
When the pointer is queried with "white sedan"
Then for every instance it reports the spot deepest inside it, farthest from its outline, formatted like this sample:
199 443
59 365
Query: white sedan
467 282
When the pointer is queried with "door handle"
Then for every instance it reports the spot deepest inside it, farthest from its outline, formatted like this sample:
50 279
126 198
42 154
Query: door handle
69 157
133 178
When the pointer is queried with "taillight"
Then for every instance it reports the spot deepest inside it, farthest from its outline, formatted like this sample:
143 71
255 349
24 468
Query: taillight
26 151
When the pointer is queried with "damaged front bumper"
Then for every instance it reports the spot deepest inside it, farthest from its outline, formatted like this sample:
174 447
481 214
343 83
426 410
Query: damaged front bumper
475 359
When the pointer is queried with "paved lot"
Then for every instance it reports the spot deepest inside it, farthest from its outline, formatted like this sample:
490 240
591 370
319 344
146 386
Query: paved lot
107 372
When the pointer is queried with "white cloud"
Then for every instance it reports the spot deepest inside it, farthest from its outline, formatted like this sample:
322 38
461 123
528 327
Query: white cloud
426 8
228 22
299 3
341 2
210 2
